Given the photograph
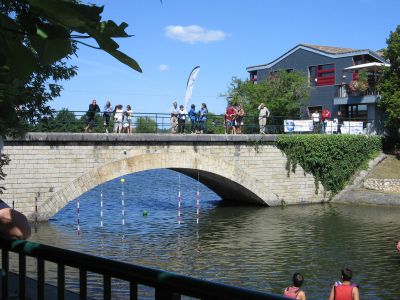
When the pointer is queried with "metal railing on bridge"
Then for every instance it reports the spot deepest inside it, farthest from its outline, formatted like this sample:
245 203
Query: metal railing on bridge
75 121
166 285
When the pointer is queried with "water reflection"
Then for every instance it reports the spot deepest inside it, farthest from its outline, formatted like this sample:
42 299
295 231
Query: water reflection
254 247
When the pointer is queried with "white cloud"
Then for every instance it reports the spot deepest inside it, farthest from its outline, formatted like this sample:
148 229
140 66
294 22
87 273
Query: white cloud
163 68
193 34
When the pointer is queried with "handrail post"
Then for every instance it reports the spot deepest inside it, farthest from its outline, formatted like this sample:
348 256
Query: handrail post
133 291
40 279
4 273
106 287
22 275
82 284
60 281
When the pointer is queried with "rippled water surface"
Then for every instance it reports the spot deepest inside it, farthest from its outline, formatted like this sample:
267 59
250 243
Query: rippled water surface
254 247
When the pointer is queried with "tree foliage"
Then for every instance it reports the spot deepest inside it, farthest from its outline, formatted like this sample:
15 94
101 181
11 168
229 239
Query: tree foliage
145 125
283 93
390 84
37 37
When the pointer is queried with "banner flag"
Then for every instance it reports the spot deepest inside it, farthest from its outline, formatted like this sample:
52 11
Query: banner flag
190 83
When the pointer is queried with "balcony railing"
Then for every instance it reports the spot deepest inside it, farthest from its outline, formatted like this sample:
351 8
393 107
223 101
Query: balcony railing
344 91
166 285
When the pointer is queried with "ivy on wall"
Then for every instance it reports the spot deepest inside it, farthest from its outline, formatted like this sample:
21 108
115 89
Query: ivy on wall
332 159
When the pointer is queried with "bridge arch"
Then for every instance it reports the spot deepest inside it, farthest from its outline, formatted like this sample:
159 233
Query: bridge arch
228 180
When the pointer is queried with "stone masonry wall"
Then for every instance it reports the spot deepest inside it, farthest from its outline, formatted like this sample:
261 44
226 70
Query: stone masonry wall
386 185
43 165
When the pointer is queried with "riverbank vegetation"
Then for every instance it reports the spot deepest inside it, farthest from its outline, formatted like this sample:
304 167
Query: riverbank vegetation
331 159
389 168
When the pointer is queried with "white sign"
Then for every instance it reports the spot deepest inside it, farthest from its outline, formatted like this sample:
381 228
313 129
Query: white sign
298 125
352 127
331 126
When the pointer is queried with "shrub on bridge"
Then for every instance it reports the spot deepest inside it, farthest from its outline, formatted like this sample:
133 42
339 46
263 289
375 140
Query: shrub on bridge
332 159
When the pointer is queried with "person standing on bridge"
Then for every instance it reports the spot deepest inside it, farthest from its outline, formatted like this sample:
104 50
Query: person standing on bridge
174 117
13 224
107 113
118 118
90 115
202 118
262 117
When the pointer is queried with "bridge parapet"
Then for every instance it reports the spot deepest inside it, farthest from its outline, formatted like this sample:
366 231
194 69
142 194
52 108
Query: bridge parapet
56 168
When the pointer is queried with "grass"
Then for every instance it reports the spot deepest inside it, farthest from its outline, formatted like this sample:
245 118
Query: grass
387 169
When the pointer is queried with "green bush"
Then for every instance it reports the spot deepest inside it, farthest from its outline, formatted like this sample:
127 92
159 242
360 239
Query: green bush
332 159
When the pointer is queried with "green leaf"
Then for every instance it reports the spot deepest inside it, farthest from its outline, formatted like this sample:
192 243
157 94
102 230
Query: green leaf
51 50
109 28
41 33
20 59
122 57
68 13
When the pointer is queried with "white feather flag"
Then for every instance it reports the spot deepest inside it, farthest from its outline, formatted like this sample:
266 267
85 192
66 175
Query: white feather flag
190 83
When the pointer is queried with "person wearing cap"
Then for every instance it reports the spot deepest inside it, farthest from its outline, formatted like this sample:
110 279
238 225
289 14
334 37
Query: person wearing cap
262 117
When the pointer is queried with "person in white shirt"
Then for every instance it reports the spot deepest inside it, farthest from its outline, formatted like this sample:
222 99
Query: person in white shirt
118 116
316 121
127 124
262 117
174 117
181 119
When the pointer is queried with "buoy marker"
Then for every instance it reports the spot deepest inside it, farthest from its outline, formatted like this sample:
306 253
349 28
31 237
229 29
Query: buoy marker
78 230
122 201
179 201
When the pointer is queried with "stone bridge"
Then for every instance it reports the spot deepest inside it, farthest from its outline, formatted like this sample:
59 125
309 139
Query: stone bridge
51 169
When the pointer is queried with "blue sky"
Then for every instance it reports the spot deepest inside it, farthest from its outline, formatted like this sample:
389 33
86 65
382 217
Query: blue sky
222 37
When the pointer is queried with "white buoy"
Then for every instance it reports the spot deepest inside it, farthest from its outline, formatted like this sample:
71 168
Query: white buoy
101 207
122 201
78 230
198 199
179 201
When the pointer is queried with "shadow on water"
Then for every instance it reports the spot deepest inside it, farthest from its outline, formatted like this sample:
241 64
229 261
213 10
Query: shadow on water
249 246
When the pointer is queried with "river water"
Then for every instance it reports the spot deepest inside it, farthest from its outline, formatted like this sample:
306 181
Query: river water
253 247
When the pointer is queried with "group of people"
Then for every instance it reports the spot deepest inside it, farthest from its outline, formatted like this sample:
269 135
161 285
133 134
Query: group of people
320 120
122 119
179 116
341 290
233 119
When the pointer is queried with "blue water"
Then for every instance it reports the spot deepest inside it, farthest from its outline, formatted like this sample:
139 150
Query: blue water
254 247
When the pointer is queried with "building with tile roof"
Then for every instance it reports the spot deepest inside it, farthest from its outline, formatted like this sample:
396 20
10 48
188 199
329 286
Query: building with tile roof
332 79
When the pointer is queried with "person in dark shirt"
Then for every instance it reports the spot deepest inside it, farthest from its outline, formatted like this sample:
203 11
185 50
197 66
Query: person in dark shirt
91 113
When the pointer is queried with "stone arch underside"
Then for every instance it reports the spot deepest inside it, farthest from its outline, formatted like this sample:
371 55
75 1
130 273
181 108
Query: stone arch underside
228 180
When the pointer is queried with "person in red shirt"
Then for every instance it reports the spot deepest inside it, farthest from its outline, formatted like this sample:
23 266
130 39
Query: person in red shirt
345 290
230 116
326 115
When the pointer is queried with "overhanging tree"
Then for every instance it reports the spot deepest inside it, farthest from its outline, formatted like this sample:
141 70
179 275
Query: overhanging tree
390 84
37 37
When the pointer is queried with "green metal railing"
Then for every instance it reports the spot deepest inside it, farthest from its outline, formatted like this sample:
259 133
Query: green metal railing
75 121
167 285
